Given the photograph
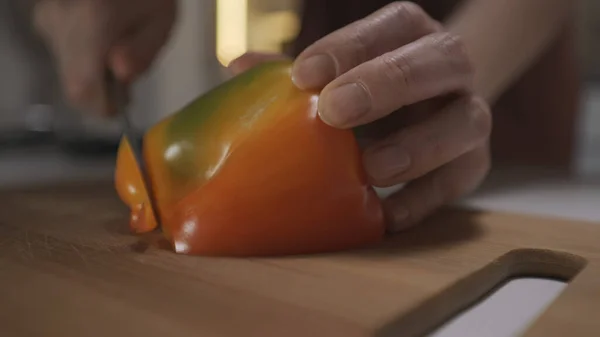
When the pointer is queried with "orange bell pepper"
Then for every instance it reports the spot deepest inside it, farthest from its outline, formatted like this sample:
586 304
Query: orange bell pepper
250 169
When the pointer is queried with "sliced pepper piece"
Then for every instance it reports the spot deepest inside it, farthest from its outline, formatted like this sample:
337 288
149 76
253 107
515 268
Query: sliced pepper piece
130 188
249 169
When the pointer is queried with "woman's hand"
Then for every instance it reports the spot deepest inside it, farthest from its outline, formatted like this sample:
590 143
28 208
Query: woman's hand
406 85
88 36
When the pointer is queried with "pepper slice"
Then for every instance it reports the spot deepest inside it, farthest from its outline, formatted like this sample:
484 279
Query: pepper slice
130 188
249 169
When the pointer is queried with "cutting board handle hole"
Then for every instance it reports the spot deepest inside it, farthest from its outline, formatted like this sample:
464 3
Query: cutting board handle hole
479 286
540 263
505 311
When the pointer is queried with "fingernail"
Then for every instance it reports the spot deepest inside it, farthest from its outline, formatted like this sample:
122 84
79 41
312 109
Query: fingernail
345 105
386 162
314 72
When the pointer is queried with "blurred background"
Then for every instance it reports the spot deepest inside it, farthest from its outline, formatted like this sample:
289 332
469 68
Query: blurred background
207 37
40 136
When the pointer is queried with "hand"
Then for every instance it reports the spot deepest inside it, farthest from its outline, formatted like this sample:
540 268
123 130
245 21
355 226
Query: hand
406 86
89 36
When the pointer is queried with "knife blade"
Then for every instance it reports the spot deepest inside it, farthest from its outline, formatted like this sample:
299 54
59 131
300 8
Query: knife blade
118 99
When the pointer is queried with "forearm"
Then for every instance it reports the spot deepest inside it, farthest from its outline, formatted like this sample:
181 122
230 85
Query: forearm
503 37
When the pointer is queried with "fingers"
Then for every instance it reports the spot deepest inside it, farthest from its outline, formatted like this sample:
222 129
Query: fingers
385 30
81 35
77 51
415 150
252 59
400 57
134 54
421 197
432 66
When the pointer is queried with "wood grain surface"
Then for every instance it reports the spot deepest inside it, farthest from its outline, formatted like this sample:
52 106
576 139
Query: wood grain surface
69 267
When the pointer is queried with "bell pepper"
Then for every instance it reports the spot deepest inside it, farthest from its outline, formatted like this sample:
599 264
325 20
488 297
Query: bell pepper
249 169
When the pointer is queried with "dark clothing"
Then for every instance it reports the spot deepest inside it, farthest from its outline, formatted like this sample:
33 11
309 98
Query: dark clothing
320 17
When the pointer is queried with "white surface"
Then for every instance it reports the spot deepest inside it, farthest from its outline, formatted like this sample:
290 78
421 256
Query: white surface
506 312
546 196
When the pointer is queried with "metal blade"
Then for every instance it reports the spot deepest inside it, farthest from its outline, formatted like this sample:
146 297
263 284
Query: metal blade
118 97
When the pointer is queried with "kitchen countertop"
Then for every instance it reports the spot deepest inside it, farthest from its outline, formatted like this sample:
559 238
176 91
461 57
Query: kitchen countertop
531 191
43 164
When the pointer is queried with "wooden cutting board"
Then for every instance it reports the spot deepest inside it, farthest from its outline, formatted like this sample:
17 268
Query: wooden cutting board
68 267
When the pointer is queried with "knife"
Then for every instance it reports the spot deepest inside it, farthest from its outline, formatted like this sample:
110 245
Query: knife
118 99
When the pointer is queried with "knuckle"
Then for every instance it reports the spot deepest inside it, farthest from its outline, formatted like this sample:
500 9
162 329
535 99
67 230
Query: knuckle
450 44
454 49
360 40
399 71
411 13
478 117
349 46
